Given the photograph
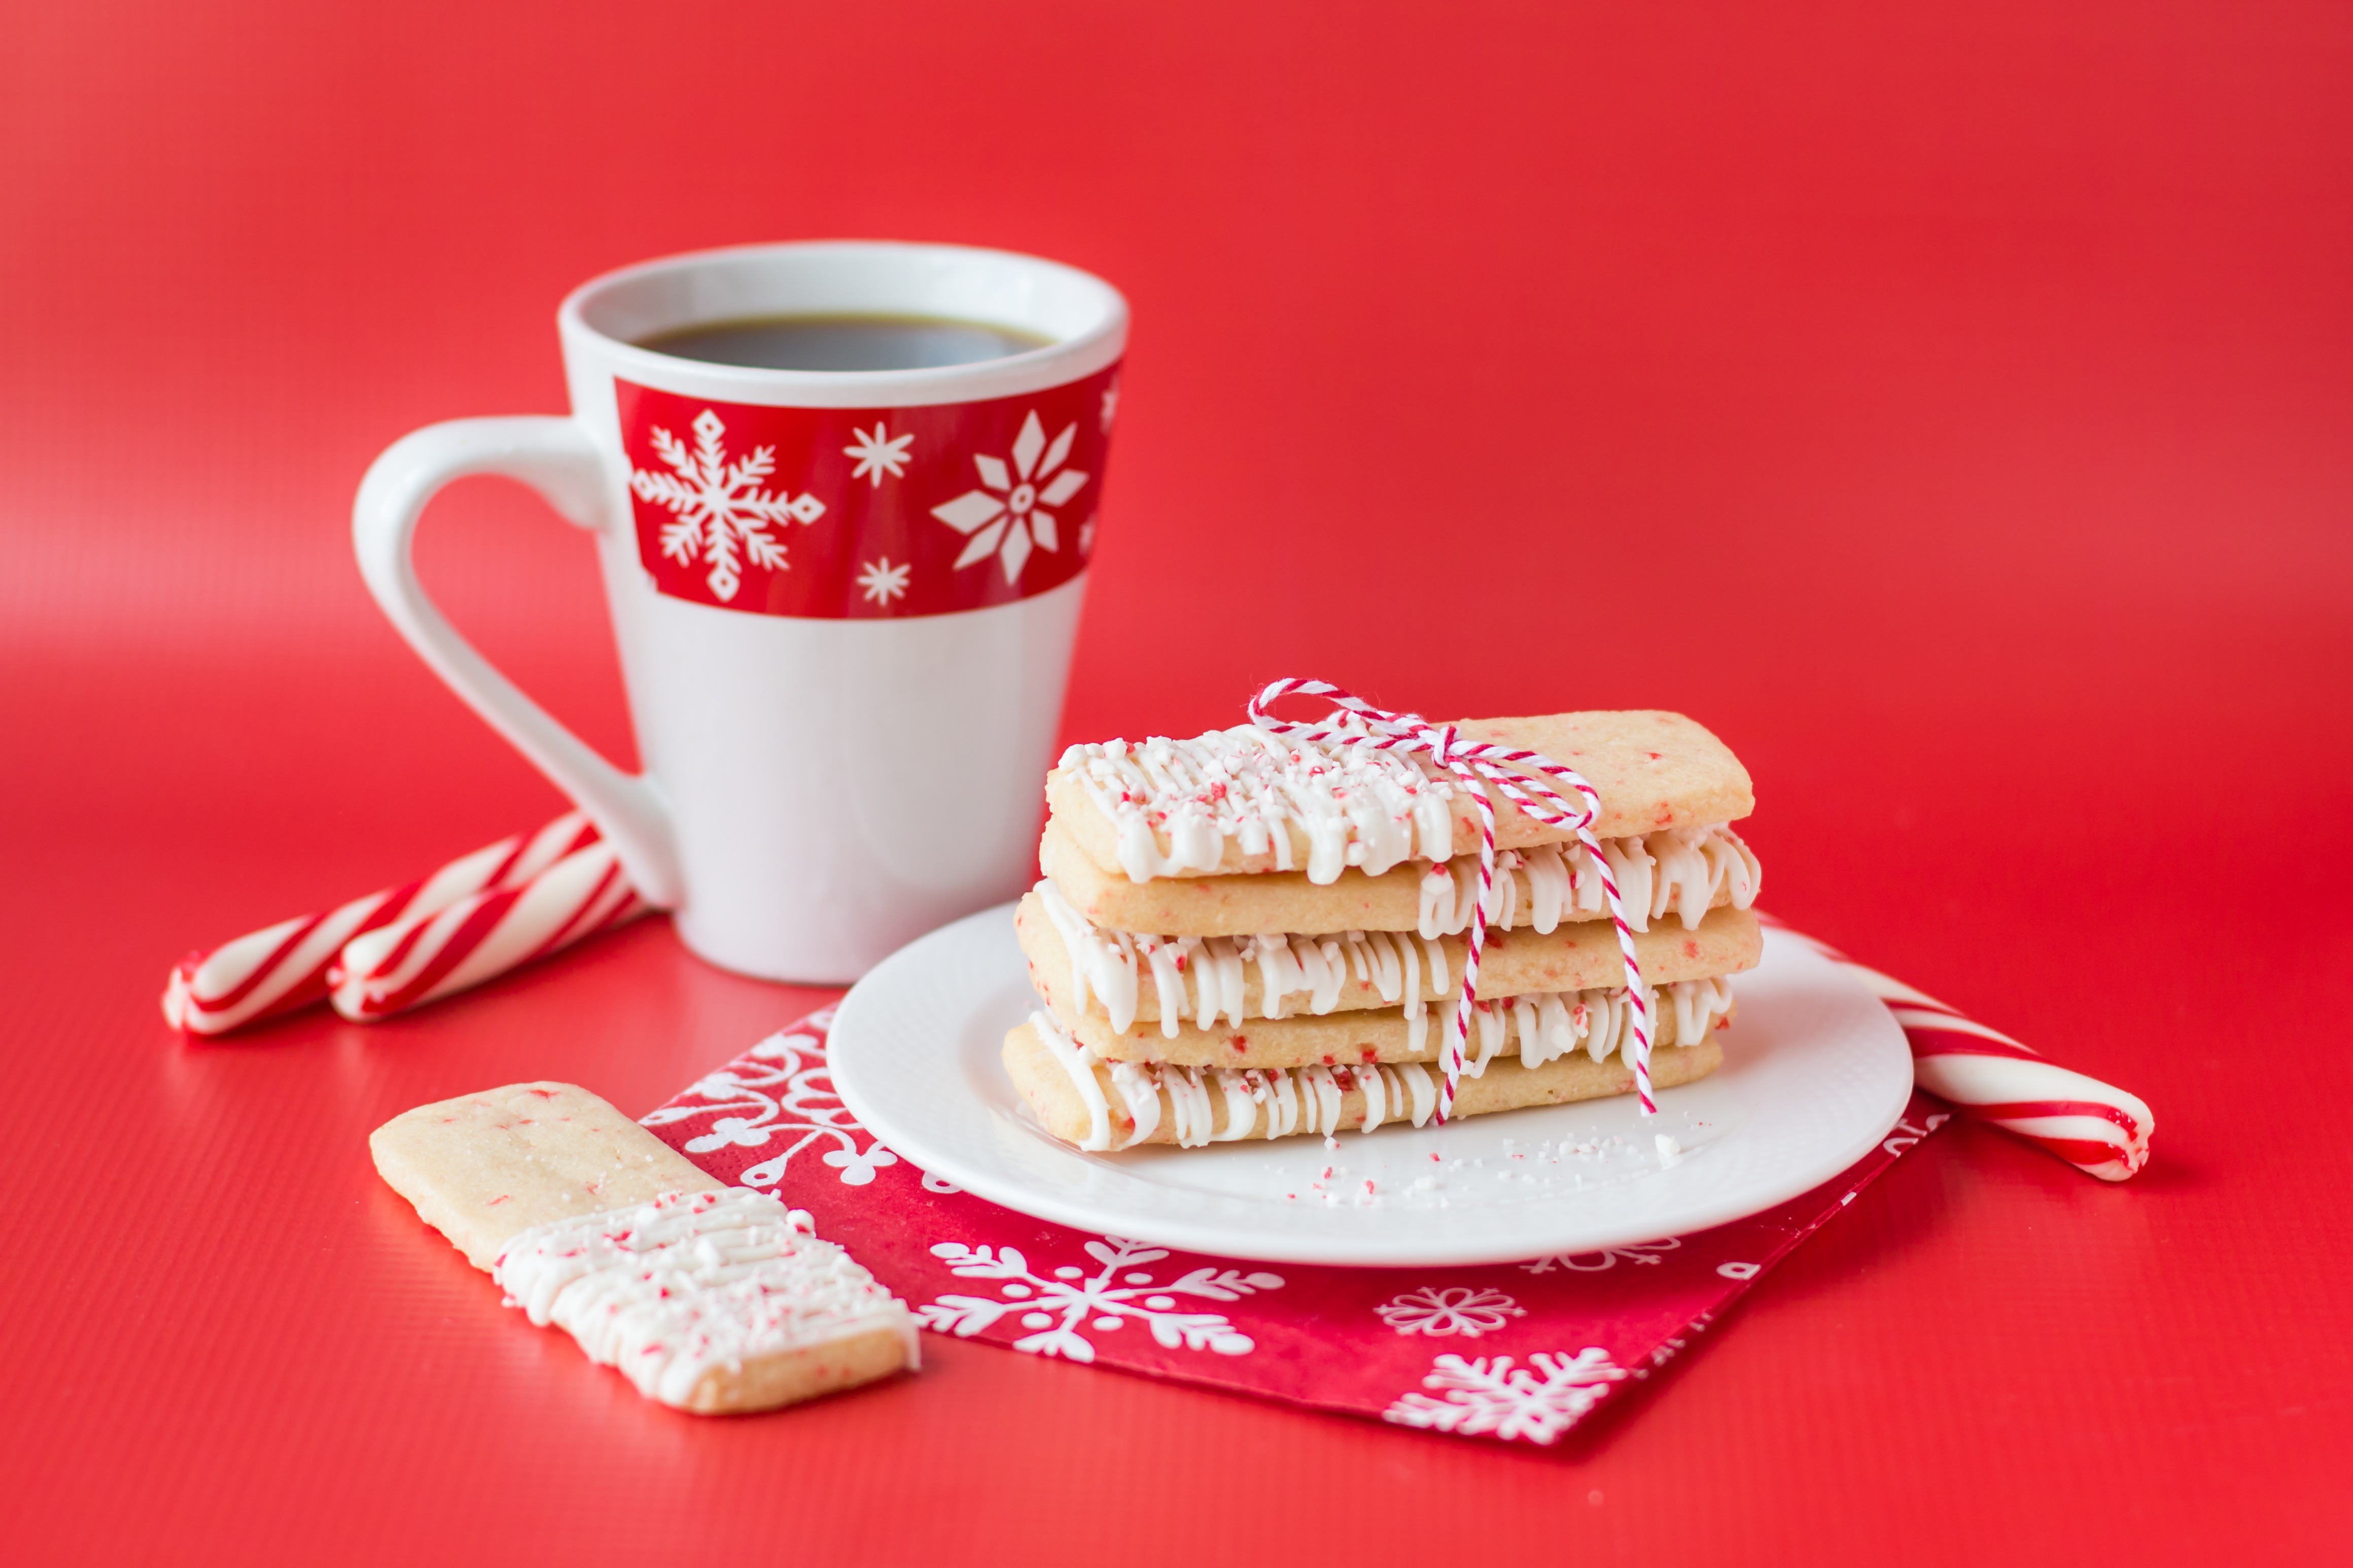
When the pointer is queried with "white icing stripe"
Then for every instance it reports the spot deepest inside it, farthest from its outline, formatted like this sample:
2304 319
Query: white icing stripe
1140 1092
1080 1064
1491 1024
1555 1034
1220 963
1241 1106
1325 1114
1189 1105
1391 972
669 1290
1168 984
1425 1092
1104 960
1375 1087
1283 1113
1694 864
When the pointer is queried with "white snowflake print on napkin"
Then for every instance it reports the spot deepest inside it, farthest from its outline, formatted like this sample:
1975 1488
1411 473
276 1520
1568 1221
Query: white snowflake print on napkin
878 453
1469 1310
881 581
1595 1262
1006 515
1106 1301
1488 1397
719 511
789 1090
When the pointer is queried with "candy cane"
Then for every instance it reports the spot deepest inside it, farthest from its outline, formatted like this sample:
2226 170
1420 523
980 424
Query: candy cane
1511 770
285 966
430 955
2095 1126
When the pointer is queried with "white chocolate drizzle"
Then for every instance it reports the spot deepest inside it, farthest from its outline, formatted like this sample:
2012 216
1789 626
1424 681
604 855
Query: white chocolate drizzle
1355 805
1188 1103
1111 964
670 1290
1277 1102
1542 1026
1550 1025
1139 1092
1678 869
1079 1063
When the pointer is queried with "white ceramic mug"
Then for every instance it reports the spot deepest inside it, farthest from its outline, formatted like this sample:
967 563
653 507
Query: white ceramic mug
844 601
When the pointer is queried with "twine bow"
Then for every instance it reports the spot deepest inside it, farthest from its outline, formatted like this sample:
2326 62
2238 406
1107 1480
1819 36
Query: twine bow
1520 775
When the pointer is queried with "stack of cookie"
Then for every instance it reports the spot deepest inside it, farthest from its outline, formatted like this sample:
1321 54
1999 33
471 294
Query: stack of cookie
1249 936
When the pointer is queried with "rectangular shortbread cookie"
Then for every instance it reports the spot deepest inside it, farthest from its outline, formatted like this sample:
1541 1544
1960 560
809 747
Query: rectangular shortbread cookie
1274 901
1653 770
1339 1101
482 1167
1573 956
1385 1035
709 1298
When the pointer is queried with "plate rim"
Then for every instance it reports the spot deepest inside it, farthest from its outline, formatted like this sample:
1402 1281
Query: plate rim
1217 1239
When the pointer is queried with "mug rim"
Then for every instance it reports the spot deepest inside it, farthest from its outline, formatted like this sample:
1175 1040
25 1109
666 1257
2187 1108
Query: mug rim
1094 345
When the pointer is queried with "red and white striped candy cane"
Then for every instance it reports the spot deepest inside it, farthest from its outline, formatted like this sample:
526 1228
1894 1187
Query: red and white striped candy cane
2095 1126
285 966
429 955
1513 770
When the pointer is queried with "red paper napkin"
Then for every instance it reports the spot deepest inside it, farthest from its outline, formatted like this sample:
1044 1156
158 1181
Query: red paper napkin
1513 1351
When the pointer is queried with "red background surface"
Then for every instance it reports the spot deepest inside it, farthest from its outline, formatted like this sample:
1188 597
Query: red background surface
1948 403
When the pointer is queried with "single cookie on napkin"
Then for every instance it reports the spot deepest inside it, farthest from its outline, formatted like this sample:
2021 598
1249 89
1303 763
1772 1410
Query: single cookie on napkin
709 1298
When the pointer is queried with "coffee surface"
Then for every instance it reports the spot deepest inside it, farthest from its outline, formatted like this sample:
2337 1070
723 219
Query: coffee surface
845 342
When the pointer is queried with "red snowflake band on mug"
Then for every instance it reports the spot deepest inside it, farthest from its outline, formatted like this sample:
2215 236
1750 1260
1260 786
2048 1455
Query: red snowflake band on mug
285 966
431 955
2095 1126
1513 770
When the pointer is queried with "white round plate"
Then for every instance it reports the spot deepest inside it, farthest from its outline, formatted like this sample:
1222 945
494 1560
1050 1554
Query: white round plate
1815 1071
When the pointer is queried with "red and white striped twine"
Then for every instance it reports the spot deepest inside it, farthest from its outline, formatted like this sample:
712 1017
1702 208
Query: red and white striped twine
287 965
2095 1126
1513 770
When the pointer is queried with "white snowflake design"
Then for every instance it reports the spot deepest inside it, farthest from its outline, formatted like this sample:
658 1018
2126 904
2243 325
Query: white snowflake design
878 453
1907 1135
1608 1258
1488 1396
718 507
1110 405
1006 514
1466 1310
791 1092
881 581
1055 1308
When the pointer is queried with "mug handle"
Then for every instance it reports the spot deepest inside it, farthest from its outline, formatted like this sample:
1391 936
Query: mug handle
555 457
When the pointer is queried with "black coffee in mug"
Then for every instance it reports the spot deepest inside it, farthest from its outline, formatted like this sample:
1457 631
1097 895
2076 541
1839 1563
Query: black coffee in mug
844 342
